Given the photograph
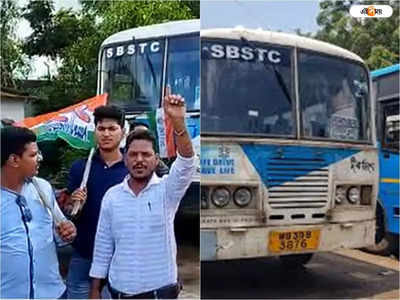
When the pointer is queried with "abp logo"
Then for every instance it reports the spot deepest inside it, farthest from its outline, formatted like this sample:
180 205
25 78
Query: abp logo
371 11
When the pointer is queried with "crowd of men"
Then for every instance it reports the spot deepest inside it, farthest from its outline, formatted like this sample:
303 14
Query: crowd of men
123 236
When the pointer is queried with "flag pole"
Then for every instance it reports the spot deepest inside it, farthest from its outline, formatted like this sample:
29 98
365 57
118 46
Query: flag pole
77 204
57 215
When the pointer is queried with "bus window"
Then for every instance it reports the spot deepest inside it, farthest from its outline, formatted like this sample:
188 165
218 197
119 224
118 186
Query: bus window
183 69
131 74
392 126
334 98
261 106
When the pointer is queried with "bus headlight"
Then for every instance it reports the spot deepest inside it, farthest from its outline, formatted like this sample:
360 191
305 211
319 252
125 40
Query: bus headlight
353 195
242 197
220 197
340 194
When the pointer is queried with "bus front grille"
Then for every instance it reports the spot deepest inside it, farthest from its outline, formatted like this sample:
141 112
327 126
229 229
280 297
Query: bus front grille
297 183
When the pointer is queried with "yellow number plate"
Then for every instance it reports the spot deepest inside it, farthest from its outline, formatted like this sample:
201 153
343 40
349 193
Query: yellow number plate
299 240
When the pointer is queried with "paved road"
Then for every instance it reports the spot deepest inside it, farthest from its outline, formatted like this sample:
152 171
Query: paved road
189 271
187 235
344 274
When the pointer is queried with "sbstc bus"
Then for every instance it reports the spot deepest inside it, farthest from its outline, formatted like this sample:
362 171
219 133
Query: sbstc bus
136 65
289 162
387 97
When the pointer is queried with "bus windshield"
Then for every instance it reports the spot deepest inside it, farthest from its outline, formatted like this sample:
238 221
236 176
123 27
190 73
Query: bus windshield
334 98
183 69
246 89
131 74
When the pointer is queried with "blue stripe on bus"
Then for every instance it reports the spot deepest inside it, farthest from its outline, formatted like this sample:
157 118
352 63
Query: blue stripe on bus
385 71
279 164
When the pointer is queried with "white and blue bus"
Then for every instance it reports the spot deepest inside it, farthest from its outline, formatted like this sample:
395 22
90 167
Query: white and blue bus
289 161
136 65
387 97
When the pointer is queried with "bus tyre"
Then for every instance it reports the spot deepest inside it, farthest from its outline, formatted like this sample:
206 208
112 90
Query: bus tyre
396 246
382 243
295 261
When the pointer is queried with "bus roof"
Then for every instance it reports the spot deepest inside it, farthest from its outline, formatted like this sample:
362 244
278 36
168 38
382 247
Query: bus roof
385 71
157 30
280 38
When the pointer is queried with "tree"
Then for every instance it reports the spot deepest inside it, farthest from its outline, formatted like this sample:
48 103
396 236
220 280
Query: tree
101 6
12 60
121 15
52 32
376 40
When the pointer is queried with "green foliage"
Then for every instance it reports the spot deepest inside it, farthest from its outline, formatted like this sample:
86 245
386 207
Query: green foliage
57 160
52 32
194 7
101 6
12 59
376 40
123 14
381 57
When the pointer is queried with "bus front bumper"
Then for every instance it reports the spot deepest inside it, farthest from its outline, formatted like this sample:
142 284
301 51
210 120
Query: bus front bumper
252 242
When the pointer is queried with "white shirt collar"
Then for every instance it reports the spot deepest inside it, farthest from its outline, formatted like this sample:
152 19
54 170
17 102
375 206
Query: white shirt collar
153 180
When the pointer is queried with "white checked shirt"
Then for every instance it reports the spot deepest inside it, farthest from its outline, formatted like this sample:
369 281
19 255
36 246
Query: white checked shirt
135 241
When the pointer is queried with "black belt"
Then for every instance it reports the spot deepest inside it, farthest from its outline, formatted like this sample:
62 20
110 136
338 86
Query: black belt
166 292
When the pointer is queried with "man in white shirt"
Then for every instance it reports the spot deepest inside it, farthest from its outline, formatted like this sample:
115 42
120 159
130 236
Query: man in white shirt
135 245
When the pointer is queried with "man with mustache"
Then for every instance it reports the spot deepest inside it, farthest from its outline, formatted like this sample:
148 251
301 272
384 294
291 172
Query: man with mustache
107 169
161 169
29 218
135 244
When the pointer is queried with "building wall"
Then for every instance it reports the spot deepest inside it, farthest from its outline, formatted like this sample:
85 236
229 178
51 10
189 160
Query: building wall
12 109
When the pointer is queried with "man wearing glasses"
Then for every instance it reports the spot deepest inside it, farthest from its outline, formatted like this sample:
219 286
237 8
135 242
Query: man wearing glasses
29 265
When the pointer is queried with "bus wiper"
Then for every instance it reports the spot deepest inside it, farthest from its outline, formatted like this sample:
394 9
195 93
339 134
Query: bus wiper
153 74
282 84
278 74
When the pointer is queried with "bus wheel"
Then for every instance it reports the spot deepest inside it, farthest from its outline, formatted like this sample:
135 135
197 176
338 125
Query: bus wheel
396 246
295 261
382 243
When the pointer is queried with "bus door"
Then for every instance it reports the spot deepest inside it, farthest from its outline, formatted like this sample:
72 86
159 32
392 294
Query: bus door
389 164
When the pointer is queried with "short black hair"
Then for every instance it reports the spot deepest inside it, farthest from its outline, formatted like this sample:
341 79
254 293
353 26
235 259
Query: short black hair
14 140
138 123
7 122
140 135
109 112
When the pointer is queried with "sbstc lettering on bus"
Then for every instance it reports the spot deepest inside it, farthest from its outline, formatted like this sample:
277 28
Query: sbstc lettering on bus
245 53
132 49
